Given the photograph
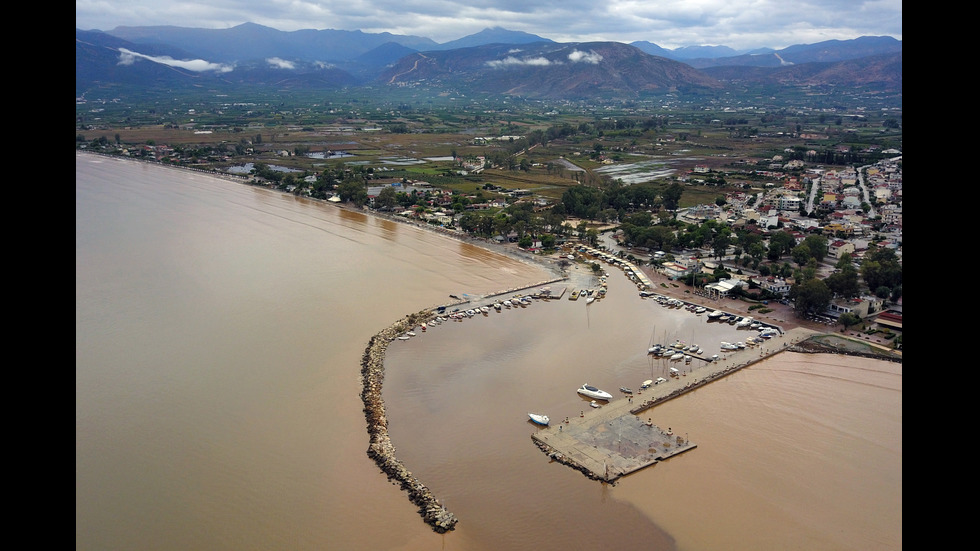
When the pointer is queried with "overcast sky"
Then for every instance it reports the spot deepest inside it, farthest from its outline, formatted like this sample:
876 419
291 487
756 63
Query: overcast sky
740 24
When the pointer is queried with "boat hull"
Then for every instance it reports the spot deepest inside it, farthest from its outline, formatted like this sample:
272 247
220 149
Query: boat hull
594 393
539 419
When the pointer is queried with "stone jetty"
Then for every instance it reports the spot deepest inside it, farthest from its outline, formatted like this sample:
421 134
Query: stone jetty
380 448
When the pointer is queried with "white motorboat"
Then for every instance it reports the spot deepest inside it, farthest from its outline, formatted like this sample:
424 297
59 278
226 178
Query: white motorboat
677 357
716 314
539 419
646 384
593 392
660 380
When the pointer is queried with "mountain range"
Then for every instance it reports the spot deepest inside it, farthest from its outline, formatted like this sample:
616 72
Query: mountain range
493 61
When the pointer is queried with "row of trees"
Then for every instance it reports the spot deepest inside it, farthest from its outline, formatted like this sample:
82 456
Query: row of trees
589 201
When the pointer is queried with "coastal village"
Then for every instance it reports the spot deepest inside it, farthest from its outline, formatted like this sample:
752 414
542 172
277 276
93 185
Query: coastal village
858 207
844 196
854 208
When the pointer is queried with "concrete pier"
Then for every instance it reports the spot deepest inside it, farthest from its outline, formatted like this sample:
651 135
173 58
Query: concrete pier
609 442
615 440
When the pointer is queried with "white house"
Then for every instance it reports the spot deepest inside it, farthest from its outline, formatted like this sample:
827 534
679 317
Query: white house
723 287
861 307
775 285
673 270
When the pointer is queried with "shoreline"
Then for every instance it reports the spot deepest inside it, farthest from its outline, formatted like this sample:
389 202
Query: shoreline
380 448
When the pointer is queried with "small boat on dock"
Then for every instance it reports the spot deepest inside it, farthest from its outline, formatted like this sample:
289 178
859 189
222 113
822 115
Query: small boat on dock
646 384
625 390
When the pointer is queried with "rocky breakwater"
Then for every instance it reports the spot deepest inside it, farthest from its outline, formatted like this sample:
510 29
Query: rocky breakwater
381 449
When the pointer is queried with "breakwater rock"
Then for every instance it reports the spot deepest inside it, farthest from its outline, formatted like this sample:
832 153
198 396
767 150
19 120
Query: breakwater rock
380 448
559 457
834 344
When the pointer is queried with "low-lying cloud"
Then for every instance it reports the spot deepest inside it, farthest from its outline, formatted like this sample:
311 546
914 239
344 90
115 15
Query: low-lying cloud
582 57
511 61
279 63
128 57
576 56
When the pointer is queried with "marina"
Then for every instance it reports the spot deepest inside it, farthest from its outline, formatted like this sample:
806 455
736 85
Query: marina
613 438
621 438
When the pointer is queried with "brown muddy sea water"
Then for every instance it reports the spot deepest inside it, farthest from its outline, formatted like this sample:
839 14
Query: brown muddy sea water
219 333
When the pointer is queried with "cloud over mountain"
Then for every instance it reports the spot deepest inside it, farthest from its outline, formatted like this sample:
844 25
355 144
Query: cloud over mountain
129 57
